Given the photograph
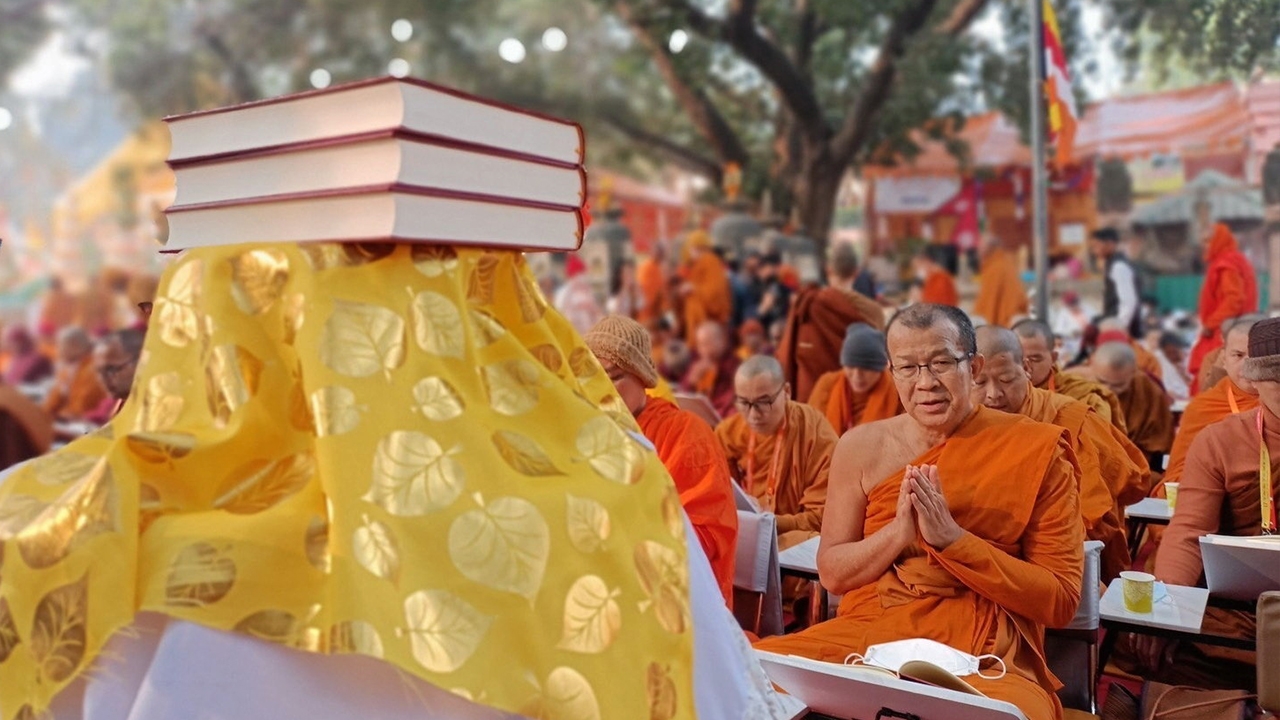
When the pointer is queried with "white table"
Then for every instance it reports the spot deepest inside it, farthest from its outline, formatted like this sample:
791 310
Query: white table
1178 608
1147 511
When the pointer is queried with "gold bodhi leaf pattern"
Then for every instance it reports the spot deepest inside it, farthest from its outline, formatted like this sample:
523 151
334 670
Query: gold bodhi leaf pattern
161 403
58 630
588 524
175 310
276 626
355 637
295 313
316 543
376 549
86 510
513 386
361 339
335 410
199 575
414 475
503 545
483 276
444 630
661 690
232 377
437 325
524 454
486 329
261 484
665 579
161 447
592 618
258 278
609 451
437 400
64 467
566 695
8 632
434 260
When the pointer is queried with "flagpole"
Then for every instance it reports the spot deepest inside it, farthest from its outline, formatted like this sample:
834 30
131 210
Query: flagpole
1039 174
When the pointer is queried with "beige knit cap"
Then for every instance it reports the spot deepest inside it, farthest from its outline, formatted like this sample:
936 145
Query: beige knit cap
625 343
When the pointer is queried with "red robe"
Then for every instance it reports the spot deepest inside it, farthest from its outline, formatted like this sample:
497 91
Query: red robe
1230 290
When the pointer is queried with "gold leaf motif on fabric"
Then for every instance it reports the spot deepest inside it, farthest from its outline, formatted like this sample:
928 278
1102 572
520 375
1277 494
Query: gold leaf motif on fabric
588 524
503 545
258 278
481 284
326 256
8 632
300 406
665 579
673 513
414 475
175 310
335 410
64 467
355 637
376 549
566 695
434 260
661 690
524 454
549 355
582 363
437 400
294 314
276 626
444 630
161 403
532 305
232 377
86 510
58 631
150 506
17 512
161 447
609 451
360 340
199 575
317 544
26 712
486 329
437 325
592 618
512 386
262 484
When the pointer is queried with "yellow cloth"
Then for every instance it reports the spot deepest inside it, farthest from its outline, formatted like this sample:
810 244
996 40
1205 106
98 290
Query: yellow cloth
378 449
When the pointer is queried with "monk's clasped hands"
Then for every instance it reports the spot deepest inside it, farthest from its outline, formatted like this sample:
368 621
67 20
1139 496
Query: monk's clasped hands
932 514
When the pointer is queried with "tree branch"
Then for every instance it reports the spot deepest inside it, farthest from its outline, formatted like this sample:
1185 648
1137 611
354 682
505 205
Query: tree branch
708 120
738 29
676 153
962 15
879 82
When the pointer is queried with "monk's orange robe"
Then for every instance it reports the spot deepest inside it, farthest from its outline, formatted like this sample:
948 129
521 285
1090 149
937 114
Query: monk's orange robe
75 393
26 431
711 299
815 330
1001 296
1225 398
1113 472
653 282
940 289
1015 571
785 473
1147 415
845 409
691 453
1211 372
1147 361
1095 395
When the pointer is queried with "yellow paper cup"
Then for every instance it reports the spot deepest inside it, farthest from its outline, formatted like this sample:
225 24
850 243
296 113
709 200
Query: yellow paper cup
1171 492
1138 587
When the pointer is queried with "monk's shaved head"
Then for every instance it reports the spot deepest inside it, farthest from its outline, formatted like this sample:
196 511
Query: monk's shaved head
1235 349
994 340
842 261
761 366
923 316
1035 329
1243 324
1039 350
1115 355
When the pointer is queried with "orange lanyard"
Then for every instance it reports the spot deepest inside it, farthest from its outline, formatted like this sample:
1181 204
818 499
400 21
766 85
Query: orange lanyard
1264 481
1231 399
775 469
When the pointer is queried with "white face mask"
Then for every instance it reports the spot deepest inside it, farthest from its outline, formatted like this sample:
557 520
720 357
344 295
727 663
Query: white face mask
893 655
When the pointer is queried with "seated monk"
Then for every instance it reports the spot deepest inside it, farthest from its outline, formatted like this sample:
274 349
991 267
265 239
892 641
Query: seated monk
818 319
1040 349
962 526
1233 394
753 340
76 391
1219 495
26 364
1148 418
686 445
1113 471
115 359
779 450
711 372
1110 330
862 390
1001 295
939 286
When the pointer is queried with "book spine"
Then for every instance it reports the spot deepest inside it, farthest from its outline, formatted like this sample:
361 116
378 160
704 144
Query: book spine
378 189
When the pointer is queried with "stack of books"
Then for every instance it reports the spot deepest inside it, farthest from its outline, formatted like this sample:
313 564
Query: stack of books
381 160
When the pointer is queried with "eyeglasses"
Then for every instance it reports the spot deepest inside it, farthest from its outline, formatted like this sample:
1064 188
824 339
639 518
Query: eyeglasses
745 406
938 368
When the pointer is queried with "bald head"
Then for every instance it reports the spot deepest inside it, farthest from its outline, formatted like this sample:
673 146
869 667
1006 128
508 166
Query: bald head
1039 350
712 340
994 340
1115 365
842 261
762 393
74 345
1035 329
1243 324
757 366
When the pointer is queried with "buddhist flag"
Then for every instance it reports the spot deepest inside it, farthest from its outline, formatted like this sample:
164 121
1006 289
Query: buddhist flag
1057 81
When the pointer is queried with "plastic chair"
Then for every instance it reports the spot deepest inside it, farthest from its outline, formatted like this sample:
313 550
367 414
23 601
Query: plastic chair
757 575
1065 646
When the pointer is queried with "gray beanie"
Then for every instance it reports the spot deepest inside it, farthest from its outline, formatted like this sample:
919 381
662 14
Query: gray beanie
864 348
